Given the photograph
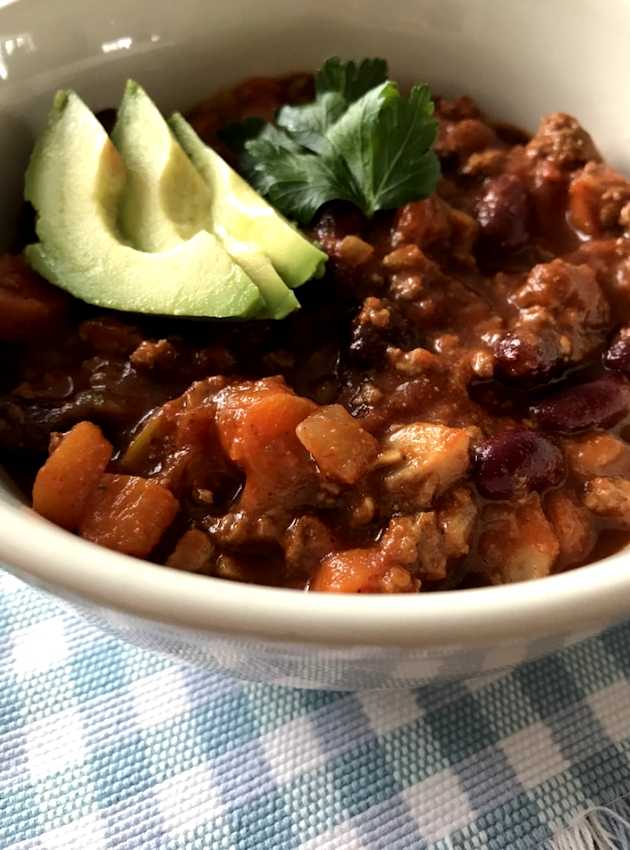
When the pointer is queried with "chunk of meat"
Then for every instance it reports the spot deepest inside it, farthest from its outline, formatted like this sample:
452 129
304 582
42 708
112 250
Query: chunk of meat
517 543
609 498
160 354
433 221
193 552
463 137
241 529
340 447
128 514
352 251
572 525
416 542
562 140
257 429
306 542
427 459
66 481
488 163
456 517
422 223
415 362
29 306
597 454
597 197
567 299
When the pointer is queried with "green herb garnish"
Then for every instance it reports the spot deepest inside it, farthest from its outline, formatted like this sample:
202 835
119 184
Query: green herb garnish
360 140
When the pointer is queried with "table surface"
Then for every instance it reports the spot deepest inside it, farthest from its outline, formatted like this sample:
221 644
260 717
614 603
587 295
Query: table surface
104 745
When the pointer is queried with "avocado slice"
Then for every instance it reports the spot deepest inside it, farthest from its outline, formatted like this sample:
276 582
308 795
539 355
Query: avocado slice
242 213
75 181
167 200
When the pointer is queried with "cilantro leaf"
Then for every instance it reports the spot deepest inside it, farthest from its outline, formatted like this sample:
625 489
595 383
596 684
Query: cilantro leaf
337 85
385 140
350 79
308 124
295 181
360 141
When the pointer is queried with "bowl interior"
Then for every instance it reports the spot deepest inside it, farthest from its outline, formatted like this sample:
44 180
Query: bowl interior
518 59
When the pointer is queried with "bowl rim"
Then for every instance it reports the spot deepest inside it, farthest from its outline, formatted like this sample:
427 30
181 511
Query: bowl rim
39 552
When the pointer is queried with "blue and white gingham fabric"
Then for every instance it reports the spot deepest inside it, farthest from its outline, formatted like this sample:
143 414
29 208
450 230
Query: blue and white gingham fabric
103 745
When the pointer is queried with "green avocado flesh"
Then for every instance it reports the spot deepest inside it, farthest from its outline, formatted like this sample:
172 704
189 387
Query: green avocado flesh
167 200
76 181
241 213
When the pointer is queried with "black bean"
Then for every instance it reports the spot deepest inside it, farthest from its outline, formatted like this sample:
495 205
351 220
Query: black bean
515 462
524 354
617 357
597 404
502 212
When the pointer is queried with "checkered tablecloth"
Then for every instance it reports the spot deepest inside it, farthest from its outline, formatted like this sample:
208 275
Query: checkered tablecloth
103 745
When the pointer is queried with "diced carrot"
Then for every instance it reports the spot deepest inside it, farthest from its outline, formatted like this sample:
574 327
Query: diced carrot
128 514
193 552
347 572
29 306
340 447
234 403
65 482
260 437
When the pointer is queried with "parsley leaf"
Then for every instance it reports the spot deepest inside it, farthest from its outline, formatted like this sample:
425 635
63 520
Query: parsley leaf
350 79
337 85
361 141
385 140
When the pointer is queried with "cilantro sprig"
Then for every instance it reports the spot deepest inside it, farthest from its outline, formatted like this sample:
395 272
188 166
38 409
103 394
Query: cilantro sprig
360 140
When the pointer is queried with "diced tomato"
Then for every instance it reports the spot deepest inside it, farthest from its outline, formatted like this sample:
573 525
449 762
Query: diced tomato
128 514
67 479
29 306
341 448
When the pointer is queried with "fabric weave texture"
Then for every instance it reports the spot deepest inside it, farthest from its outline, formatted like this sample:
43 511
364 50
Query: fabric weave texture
104 745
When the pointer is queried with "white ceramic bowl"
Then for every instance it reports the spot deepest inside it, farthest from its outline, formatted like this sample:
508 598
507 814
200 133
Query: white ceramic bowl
520 59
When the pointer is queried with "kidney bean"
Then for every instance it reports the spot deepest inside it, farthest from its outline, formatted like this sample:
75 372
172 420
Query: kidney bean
502 211
525 355
515 462
617 357
597 404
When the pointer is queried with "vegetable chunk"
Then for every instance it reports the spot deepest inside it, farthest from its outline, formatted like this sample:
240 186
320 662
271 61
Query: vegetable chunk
128 514
66 481
339 445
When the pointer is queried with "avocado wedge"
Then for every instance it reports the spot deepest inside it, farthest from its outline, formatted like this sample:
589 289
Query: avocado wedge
75 181
240 212
166 199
